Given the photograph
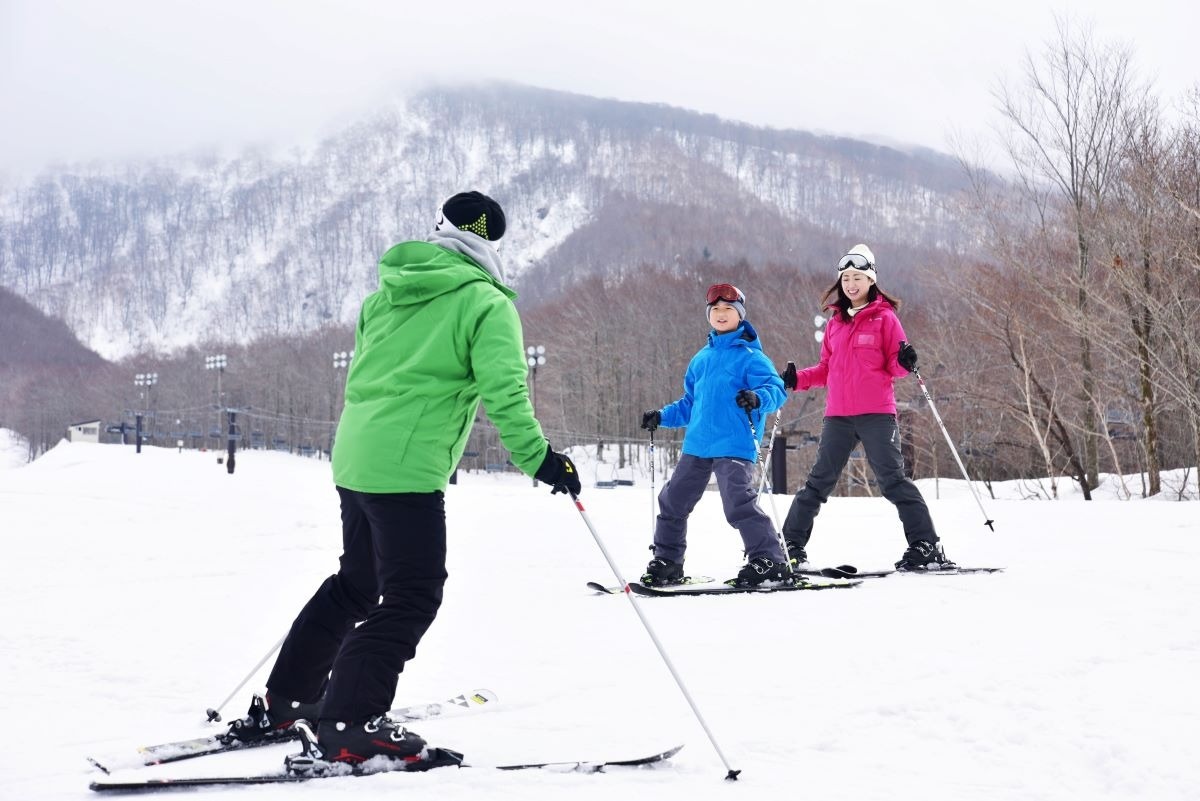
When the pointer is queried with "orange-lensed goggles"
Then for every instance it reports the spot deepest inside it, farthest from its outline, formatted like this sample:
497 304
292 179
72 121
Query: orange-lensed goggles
726 292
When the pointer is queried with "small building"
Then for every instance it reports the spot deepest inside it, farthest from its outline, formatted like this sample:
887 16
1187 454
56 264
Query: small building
87 431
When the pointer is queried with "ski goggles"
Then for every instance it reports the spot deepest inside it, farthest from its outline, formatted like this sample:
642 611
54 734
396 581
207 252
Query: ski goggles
856 261
726 292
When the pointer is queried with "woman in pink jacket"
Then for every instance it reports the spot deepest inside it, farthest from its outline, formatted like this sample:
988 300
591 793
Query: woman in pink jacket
862 353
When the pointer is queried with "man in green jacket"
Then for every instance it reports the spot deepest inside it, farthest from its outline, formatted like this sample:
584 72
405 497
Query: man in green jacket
439 336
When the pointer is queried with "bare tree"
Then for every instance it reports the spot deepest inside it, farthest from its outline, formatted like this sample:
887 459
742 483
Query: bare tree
1136 241
1069 122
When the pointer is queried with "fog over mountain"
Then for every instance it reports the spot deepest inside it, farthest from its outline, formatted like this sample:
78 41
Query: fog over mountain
162 254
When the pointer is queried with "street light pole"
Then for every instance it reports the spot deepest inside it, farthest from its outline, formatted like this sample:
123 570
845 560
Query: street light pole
819 321
779 453
218 363
536 356
341 361
146 380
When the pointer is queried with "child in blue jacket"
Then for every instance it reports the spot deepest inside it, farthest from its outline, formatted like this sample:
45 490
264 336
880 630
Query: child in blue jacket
729 385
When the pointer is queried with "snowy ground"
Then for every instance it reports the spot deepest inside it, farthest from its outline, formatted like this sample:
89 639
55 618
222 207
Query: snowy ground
138 590
14 451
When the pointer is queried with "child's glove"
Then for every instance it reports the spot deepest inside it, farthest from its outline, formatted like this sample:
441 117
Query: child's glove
789 376
907 357
651 419
747 399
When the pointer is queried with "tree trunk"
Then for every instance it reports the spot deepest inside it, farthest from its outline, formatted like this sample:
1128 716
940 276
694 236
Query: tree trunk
1091 423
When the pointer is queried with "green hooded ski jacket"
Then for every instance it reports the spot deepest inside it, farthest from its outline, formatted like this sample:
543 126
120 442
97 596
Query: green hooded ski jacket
440 335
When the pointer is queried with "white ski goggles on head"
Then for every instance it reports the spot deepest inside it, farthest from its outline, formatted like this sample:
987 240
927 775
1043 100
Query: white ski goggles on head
857 261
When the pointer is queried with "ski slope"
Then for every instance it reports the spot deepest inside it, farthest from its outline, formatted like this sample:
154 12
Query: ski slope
139 589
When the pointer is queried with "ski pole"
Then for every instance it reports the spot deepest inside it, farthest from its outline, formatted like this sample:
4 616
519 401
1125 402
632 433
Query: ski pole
762 485
214 715
731 774
762 482
653 509
987 521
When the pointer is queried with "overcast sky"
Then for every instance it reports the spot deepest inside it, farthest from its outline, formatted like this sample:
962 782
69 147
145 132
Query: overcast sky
82 79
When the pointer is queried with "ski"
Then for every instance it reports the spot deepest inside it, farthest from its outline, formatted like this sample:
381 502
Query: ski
954 571
617 588
434 758
842 571
163 753
728 588
852 572
594 767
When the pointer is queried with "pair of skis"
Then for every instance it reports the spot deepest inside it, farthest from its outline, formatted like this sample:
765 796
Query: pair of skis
163 753
704 585
308 765
433 758
842 576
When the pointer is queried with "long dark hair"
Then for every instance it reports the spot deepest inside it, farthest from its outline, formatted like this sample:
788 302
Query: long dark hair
834 296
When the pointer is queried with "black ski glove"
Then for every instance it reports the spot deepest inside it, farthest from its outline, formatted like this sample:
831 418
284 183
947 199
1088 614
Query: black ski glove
559 471
651 419
907 357
789 376
748 399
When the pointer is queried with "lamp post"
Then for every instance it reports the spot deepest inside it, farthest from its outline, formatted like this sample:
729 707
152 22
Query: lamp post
779 452
218 363
341 361
819 321
146 380
535 357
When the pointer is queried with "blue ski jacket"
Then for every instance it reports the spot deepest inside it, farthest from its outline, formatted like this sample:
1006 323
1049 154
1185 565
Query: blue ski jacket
716 426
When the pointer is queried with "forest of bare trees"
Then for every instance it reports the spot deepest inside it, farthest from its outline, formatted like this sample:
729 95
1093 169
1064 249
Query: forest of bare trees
1091 295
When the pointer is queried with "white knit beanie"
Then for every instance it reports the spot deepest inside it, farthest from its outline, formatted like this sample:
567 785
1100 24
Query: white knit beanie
854 260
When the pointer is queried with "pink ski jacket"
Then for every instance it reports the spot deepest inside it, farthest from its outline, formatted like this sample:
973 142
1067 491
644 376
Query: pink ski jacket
858 362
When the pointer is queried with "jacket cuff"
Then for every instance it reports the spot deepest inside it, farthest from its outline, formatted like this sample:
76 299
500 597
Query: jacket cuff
548 470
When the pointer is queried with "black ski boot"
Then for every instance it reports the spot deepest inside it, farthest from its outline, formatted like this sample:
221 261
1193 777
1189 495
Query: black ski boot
284 712
924 556
270 719
355 743
661 572
375 746
796 554
760 570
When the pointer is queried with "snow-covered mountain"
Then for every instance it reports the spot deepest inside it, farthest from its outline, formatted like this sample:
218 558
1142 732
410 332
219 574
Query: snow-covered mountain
162 254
